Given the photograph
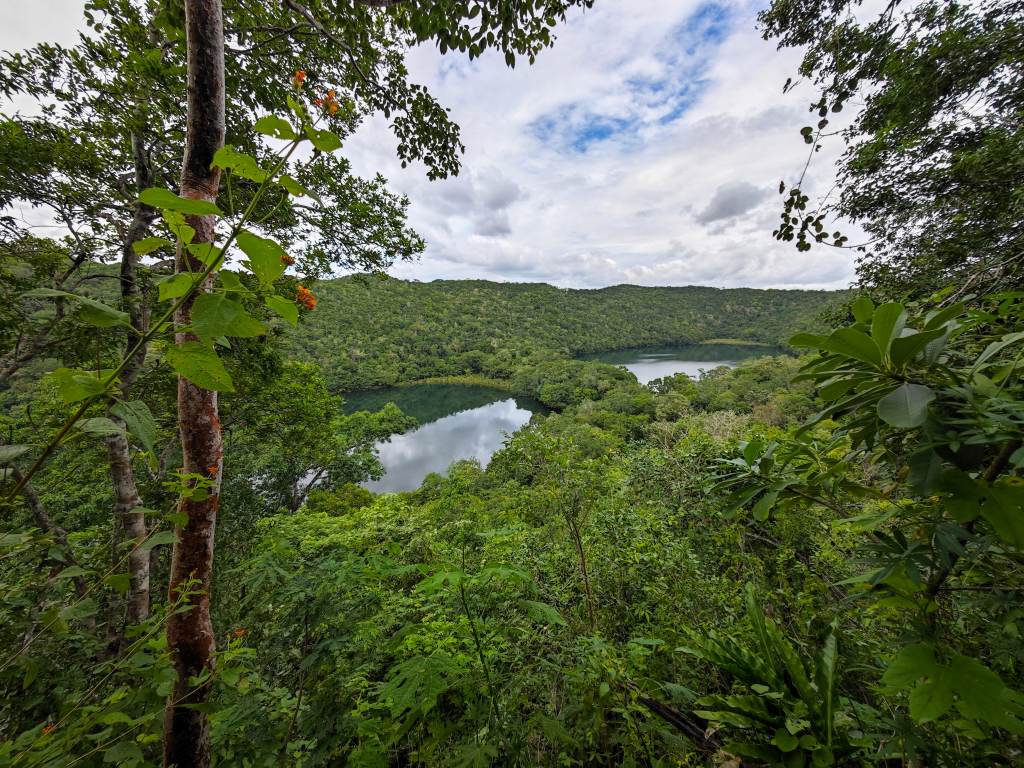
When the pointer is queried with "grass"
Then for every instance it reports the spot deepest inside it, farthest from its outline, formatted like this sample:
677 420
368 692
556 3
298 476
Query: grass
467 380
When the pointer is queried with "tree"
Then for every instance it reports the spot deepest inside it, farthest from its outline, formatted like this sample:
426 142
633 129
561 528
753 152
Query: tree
932 168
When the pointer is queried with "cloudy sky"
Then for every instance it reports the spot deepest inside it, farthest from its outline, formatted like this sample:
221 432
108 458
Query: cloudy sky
646 147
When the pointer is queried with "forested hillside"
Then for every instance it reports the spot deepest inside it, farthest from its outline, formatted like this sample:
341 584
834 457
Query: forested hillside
370 331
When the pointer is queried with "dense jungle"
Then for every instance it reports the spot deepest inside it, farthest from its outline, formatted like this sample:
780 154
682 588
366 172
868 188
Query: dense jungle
807 554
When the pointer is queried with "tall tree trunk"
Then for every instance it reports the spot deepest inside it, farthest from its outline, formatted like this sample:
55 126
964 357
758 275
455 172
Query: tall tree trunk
129 523
190 634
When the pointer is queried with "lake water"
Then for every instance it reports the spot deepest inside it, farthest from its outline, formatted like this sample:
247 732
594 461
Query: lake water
470 422
651 363
456 422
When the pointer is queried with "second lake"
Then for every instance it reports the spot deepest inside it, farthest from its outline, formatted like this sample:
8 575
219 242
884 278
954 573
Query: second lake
460 422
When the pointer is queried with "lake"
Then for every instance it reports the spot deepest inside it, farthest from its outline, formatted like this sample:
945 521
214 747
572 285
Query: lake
650 363
456 422
470 422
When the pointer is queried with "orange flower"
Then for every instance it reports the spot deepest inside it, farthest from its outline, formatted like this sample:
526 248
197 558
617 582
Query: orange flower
306 298
212 469
299 78
240 632
318 102
48 729
287 260
333 107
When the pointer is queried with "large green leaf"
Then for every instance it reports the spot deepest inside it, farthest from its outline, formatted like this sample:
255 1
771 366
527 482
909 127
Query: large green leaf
240 164
1004 509
886 324
933 698
75 385
906 406
166 200
175 286
284 307
199 364
278 127
982 695
214 315
139 420
856 344
910 665
862 308
150 244
906 348
266 256
324 140
99 426
93 312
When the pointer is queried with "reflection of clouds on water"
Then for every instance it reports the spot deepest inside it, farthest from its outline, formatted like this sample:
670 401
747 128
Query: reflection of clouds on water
648 368
473 434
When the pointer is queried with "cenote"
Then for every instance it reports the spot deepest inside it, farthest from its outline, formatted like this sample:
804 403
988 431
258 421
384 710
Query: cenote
470 422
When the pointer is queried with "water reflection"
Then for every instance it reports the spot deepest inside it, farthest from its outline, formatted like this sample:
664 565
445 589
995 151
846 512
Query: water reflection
456 422
473 434
653 363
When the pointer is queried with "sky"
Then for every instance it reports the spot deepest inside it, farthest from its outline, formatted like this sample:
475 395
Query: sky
645 147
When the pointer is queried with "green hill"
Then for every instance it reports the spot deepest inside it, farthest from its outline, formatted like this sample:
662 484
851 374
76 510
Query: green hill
369 331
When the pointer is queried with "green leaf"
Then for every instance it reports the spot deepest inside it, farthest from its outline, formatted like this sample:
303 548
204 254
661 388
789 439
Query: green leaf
214 314
99 426
764 505
284 307
913 662
825 680
863 308
139 420
207 253
324 140
199 364
1004 509
887 324
278 127
906 348
906 406
175 286
785 741
265 256
75 385
543 613
119 582
292 186
166 200
150 244
93 312
853 343
232 282
176 223
982 694
239 163
933 698
158 539
9 453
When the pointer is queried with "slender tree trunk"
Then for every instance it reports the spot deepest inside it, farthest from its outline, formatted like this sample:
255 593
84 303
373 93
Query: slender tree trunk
129 523
190 634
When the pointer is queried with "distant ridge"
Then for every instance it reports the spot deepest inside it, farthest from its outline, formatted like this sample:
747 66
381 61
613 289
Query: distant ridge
369 331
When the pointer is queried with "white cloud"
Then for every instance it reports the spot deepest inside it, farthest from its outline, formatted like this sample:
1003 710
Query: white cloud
644 147
647 144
